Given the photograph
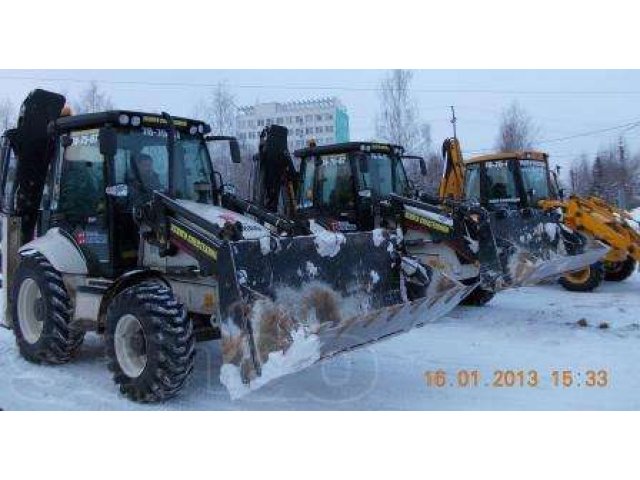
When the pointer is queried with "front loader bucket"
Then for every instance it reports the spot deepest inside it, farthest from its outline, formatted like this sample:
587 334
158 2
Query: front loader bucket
290 302
536 248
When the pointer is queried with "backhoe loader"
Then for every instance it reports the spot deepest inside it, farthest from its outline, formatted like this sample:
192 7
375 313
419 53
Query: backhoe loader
518 189
362 186
117 222
609 224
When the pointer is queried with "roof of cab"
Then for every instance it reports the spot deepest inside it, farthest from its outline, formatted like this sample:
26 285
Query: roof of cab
94 120
523 155
335 148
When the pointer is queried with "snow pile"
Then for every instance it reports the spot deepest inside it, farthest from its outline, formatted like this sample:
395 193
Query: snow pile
378 236
312 270
529 328
265 245
303 352
552 230
327 243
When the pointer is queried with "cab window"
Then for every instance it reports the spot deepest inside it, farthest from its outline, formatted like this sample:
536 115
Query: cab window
500 182
472 183
329 184
534 177
81 187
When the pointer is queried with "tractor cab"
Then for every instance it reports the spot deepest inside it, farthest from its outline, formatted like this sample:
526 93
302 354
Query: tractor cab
508 181
87 175
341 184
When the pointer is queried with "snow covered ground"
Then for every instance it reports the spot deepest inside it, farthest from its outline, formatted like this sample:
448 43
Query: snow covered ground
532 328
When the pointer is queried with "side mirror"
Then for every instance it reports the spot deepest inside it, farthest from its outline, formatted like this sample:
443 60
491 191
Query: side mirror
108 142
423 167
423 164
234 148
561 193
317 161
67 141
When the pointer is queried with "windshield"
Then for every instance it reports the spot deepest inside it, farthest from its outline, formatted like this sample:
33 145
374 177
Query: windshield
501 185
534 177
330 184
392 177
142 163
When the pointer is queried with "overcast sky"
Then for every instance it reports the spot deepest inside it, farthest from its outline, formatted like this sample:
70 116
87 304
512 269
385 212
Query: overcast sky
562 103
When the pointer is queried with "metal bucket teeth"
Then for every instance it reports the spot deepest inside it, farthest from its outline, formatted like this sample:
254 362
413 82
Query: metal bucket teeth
538 247
316 305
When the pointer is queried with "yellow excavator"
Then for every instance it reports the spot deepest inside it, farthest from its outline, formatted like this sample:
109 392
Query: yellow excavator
612 225
522 181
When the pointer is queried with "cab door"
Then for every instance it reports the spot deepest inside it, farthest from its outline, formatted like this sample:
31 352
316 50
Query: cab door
77 199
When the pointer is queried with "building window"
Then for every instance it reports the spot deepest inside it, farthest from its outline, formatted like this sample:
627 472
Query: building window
261 123
279 120
308 118
328 128
318 129
309 130
318 118
299 119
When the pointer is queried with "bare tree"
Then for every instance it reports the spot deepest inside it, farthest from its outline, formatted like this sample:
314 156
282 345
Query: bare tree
7 114
219 110
580 175
397 120
517 130
614 175
92 100
424 148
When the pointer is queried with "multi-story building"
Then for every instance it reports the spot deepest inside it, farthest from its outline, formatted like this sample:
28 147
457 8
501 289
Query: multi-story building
325 120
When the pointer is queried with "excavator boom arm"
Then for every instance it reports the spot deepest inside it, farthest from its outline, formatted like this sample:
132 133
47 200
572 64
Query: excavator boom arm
452 182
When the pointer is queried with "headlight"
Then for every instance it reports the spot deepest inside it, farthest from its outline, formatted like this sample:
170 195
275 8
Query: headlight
193 130
200 128
136 121
123 119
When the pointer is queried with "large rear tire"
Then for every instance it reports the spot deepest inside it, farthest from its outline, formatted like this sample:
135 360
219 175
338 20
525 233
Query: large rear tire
585 280
619 271
41 312
150 343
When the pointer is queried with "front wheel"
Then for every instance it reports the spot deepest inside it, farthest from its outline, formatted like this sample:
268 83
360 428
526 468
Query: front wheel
150 343
585 280
41 312
619 271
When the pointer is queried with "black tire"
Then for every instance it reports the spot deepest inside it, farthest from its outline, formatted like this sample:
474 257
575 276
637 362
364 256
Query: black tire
166 337
583 280
619 271
478 297
56 343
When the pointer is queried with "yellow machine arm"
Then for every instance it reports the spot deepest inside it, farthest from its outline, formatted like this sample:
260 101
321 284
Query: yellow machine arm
452 182
605 222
